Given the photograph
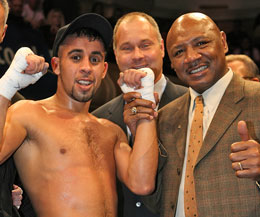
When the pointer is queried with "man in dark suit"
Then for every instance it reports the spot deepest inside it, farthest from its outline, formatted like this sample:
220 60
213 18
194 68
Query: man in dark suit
227 169
137 43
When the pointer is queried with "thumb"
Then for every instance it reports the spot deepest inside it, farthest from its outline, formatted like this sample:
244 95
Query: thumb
120 80
243 131
45 68
156 97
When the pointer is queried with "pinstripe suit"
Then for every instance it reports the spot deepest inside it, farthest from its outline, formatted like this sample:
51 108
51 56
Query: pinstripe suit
219 192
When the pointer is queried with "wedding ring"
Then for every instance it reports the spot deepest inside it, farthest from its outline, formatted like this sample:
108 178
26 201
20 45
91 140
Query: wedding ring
134 110
240 165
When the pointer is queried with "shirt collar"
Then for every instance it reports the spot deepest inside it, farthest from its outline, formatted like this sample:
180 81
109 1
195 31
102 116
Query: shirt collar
160 85
217 90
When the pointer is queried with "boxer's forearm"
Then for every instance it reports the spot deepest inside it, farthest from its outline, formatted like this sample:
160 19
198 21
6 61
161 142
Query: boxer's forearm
144 158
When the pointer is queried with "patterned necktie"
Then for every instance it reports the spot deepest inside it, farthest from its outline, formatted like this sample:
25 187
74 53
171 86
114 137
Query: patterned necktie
196 139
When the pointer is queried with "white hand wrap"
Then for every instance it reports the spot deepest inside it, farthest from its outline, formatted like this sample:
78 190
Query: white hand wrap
147 91
13 80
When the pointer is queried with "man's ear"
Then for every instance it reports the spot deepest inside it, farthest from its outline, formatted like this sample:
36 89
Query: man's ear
55 64
3 35
105 70
224 41
162 48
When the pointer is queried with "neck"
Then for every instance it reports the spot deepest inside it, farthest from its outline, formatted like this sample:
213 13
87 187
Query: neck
158 78
71 104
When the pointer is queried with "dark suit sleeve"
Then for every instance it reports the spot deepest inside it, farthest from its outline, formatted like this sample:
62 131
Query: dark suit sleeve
7 175
152 202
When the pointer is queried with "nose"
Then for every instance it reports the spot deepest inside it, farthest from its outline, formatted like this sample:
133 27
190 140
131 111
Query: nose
86 66
137 54
192 55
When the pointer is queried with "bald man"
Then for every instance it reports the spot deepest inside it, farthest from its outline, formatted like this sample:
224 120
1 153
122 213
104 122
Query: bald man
227 169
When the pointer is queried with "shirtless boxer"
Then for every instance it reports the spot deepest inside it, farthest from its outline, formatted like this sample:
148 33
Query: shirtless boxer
67 158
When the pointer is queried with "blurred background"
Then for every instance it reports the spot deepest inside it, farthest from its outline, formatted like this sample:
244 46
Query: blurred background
34 23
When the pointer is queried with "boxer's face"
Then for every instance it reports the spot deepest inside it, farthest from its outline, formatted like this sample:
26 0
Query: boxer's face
80 66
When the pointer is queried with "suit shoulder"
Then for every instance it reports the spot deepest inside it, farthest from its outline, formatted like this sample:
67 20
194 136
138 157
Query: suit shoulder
175 104
252 87
102 110
175 90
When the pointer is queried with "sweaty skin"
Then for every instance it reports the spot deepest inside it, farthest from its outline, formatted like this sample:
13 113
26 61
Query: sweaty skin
67 158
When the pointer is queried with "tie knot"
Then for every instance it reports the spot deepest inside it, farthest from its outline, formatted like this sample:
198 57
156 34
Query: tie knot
199 99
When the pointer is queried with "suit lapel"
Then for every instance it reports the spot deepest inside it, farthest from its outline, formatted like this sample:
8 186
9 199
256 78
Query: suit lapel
115 113
180 124
227 112
165 98
170 93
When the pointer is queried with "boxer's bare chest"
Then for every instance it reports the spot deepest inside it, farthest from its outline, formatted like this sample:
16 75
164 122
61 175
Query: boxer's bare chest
73 138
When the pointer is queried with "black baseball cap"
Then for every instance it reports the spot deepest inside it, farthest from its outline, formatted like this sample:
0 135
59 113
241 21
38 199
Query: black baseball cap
88 20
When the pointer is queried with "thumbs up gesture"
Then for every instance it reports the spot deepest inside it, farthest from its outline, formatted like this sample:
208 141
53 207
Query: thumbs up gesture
245 156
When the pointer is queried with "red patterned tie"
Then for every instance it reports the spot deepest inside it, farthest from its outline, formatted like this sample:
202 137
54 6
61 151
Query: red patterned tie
196 139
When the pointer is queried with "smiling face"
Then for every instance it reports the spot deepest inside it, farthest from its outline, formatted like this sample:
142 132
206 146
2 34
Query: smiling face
197 50
80 67
138 46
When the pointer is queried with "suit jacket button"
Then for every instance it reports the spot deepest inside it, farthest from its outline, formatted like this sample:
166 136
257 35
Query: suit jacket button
138 204
178 171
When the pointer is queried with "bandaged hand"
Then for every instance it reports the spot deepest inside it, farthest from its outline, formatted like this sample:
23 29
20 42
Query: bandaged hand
14 79
147 83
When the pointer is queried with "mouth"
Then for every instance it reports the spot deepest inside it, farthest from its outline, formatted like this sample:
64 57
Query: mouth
197 70
84 82
139 67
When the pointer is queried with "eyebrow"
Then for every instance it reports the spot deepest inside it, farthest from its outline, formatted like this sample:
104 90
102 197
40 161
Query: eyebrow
193 40
93 52
125 43
142 41
75 50
97 53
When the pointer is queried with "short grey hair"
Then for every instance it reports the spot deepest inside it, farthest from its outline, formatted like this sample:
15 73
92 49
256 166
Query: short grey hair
252 68
5 5
133 15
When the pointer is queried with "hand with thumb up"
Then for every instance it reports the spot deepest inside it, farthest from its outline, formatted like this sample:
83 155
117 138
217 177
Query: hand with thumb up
245 155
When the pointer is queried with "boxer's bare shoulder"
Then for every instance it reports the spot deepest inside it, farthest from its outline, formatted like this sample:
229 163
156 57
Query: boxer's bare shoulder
25 110
114 128
107 123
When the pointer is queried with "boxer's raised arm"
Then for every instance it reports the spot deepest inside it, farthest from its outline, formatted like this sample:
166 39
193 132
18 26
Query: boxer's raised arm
137 167
25 69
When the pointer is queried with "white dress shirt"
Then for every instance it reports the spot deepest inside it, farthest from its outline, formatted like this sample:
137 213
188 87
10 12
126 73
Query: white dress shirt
212 98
